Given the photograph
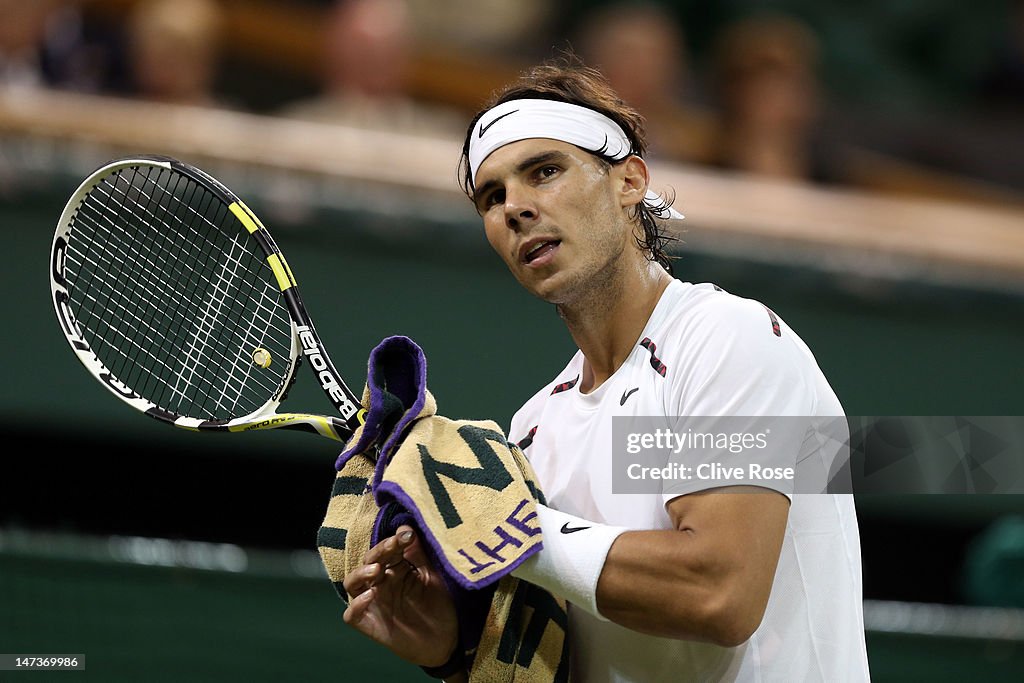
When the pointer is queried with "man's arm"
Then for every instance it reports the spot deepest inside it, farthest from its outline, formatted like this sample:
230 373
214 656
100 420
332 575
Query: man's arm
708 579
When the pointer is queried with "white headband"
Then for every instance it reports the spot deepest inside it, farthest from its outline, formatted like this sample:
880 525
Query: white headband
533 118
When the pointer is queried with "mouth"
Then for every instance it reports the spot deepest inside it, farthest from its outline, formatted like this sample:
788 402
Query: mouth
539 251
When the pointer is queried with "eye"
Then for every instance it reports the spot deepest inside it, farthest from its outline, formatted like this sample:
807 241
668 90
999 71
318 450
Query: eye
493 198
548 171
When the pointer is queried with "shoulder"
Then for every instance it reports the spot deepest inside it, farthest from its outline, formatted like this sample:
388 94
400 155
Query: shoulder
736 354
704 318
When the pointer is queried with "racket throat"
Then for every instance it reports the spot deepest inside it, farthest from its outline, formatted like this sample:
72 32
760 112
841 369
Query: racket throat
326 374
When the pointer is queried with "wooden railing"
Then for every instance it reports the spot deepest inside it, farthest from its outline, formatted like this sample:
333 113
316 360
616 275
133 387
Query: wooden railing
853 229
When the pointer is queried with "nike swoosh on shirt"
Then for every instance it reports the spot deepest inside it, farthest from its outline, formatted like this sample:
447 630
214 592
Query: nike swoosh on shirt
627 394
566 529
483 128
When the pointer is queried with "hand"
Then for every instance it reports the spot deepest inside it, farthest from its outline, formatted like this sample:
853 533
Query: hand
400 600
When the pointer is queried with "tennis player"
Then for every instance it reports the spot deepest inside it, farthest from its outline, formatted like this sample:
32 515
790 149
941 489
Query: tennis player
724 583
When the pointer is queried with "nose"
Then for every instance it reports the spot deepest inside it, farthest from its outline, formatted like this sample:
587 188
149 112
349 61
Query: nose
520 207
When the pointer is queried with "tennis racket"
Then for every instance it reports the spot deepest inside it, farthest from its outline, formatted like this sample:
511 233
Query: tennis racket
173 294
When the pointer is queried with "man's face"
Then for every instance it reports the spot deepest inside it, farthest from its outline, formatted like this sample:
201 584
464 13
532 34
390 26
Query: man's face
555 215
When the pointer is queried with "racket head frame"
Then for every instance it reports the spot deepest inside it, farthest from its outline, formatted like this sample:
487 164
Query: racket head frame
304 341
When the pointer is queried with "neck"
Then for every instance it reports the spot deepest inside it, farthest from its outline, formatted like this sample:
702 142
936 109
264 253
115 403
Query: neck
606 321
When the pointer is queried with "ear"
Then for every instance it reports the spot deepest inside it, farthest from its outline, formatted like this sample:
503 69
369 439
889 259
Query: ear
634 178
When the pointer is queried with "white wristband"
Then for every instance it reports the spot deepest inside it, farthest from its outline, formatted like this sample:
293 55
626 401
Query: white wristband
573 556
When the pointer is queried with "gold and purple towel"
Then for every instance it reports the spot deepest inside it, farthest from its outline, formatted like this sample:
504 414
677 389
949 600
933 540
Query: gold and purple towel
472 497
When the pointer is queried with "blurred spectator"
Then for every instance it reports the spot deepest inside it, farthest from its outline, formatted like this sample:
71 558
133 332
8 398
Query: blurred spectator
22 38
174 49
979 143
766 84
641 49
43 43
367 54
516 30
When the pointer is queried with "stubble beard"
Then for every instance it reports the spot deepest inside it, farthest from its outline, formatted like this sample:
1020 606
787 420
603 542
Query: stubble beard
590 291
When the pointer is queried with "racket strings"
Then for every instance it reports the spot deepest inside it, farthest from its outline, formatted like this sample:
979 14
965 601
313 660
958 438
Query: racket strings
199 355
191 353
117 311
113 257
200 342
141 276
142 317
175 296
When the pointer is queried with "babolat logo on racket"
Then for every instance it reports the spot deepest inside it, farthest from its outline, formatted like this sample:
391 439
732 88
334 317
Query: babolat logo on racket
61 299
328 381
62 302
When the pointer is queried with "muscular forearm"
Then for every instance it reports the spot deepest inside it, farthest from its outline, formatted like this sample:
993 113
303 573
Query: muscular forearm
673 584
708 579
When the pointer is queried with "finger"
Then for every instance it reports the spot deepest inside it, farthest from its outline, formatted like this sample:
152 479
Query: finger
399 570
423 563
358 607
362 579
386 552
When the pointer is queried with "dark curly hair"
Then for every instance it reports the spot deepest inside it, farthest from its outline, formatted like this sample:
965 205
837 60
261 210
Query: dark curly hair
568 79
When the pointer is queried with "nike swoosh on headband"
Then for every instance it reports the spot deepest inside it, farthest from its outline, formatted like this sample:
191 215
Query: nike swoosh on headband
483 128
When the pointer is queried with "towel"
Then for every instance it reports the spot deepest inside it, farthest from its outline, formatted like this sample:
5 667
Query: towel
472 497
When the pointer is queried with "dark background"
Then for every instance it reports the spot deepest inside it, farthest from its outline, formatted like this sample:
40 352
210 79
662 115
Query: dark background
84 477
